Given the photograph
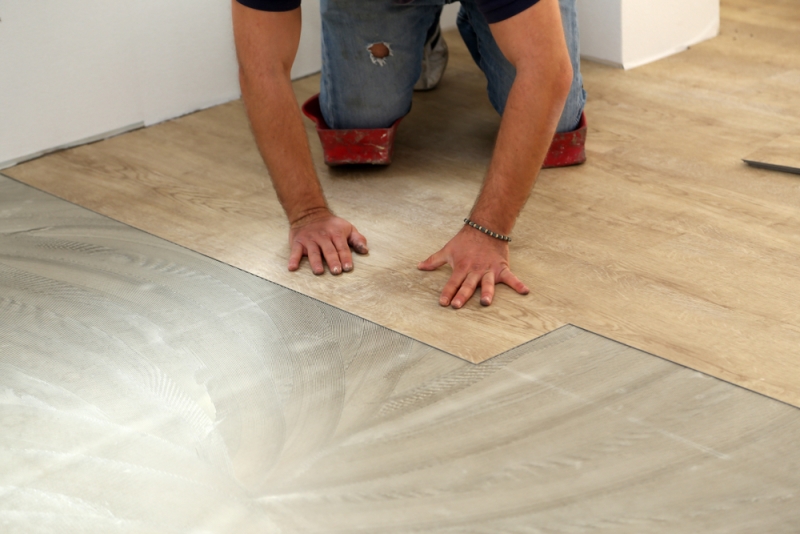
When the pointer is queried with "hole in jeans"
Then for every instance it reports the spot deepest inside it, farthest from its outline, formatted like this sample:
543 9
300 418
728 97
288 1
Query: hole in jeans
378 52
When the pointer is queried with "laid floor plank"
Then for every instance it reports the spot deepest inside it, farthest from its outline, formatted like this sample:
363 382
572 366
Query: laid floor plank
146 388
203 172
782 154
663 240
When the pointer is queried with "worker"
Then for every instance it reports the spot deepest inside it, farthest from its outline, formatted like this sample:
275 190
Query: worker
373 54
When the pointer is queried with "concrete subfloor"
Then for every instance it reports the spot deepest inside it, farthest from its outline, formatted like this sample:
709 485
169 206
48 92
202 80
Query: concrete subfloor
147 388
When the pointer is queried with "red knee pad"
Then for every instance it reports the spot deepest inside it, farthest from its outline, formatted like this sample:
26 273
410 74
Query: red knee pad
374 146
568 148
370 146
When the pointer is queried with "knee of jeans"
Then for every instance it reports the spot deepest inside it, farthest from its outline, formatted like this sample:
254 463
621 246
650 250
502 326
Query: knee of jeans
380 113
360 110
576 100
377 102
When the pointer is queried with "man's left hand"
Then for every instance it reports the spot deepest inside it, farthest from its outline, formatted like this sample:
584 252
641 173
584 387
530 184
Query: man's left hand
477 260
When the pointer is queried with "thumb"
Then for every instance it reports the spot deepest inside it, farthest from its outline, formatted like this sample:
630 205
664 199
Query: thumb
357 241
434 262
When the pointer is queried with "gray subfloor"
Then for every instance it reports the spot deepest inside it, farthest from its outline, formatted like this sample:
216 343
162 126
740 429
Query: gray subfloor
146 388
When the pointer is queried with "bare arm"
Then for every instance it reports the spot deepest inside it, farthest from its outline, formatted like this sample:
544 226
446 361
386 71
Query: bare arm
533 41
266 45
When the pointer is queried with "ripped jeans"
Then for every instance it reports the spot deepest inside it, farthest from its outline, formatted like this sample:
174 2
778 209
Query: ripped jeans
359 90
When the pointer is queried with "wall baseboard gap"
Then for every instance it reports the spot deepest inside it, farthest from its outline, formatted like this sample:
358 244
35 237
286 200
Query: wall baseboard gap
85 141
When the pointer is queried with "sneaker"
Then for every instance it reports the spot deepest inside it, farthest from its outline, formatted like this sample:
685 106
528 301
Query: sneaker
434 61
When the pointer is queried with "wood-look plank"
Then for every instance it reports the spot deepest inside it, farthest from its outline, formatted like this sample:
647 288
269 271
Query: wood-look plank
782 154
204 170
146 388
663 240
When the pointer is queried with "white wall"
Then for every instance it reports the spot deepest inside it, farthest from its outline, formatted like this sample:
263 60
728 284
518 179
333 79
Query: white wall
185 55
655 30
73 71
630 33
309 54
449 14
600 23
65 73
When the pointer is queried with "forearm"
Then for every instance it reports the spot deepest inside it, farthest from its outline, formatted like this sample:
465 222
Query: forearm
526 131
533 41
266 45
278 129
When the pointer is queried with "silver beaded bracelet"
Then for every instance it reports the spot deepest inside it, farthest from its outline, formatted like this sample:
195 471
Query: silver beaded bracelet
488 232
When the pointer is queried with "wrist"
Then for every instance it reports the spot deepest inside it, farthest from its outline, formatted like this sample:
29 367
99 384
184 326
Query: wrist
487 231
308 215
497 221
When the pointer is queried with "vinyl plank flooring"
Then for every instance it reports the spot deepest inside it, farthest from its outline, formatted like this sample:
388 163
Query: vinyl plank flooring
147 388
782 154
663 240
226 183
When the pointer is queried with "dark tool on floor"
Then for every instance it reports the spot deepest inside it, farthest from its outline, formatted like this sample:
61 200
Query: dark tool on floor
772 166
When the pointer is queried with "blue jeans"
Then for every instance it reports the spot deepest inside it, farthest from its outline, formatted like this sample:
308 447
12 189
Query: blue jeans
359 90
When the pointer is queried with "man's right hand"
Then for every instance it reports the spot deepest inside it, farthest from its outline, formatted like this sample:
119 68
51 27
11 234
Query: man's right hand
325 236
266 44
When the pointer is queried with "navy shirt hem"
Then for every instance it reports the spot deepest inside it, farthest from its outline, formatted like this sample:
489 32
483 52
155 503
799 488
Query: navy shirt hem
498 11
271 5
493 10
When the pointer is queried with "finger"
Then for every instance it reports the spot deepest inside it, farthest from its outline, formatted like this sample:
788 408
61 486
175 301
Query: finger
508 278
331 256
433 262
467 290
296 256
344 253
487 289
451 287
358 241
315 258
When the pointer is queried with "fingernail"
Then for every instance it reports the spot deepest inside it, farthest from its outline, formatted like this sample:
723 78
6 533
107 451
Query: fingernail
485 302
336 270
456 304
443 302
348 267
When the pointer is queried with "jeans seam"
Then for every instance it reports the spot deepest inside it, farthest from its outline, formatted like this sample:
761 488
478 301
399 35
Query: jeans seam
328 85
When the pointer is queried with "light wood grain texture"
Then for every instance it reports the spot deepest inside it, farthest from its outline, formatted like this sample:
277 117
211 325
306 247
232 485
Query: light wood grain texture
200 182
145 388
664 240
781 154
